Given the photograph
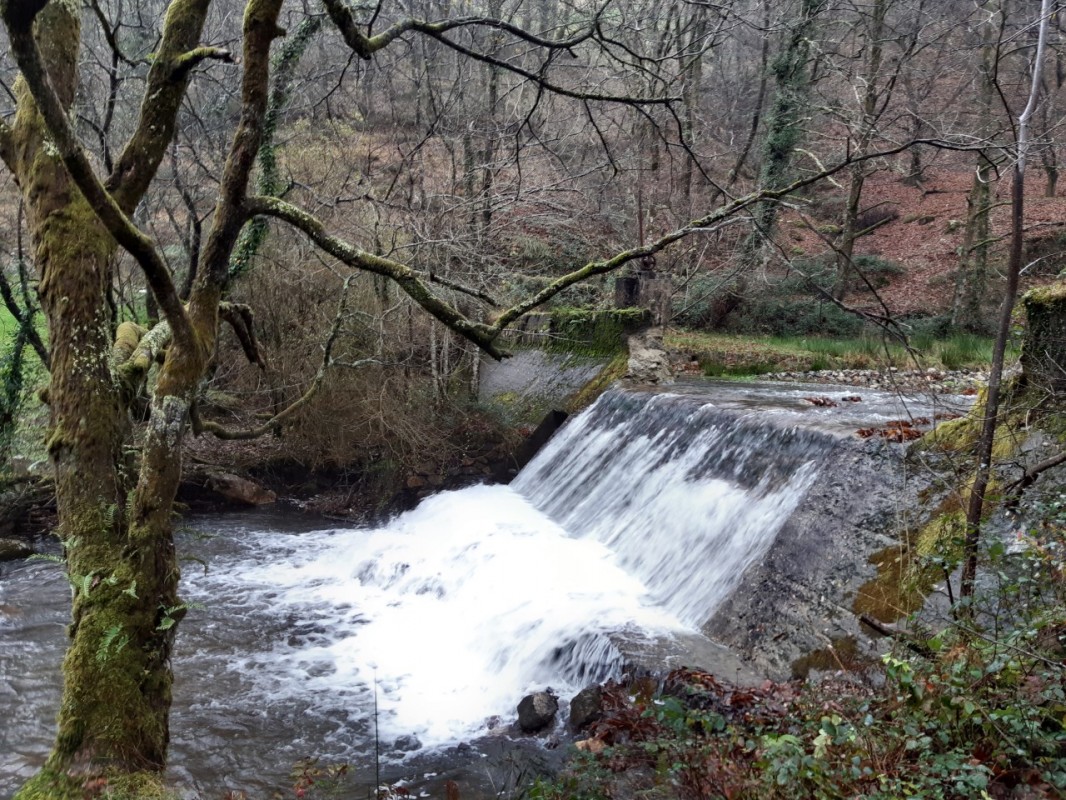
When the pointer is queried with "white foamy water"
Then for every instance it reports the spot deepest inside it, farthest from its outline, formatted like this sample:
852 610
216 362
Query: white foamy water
637 520
455 610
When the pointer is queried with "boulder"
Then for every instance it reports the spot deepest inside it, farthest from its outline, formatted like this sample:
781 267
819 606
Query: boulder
536 711
12 549
586 707
240 490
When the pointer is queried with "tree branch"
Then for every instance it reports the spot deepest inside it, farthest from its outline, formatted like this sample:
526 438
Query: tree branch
458 287
260 29
163 94
909 640
136 243
109 34
1013 493
25 319
365 46
134 352
480 334
485 335
187 62
239 317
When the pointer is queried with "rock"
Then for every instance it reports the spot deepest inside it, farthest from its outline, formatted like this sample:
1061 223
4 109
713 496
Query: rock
586 707
594 746
648 360
407 744
240 490
536 711
12 549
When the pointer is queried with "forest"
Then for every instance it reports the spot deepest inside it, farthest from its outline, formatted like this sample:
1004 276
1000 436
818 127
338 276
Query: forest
286 237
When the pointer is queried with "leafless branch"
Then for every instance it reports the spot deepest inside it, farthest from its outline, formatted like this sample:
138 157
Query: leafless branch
405 277
458 287
106 207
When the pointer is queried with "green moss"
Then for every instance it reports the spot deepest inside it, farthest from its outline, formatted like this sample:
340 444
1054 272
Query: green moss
49 785
960 436
1044 295
889 596
52 785
508 398
953 436
614 371
942 536
575 330
138 786
907 572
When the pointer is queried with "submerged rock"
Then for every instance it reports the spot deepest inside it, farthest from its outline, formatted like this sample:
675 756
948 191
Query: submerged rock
537 711
407 744
12 549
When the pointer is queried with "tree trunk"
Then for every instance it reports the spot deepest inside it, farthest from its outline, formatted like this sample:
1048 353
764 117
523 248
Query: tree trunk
784 129
982 476
867 128
972 274
116 671
120 559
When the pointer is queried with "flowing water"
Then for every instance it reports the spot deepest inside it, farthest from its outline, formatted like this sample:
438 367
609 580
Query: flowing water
636 521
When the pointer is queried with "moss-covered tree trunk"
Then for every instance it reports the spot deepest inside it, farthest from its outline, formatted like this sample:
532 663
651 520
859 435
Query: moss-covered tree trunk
784 131
115 529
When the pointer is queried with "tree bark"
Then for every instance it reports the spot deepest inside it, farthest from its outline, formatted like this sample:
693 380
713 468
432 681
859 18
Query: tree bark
114 716
972 275
867 128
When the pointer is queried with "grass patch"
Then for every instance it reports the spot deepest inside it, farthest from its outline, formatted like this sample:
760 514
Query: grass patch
728 355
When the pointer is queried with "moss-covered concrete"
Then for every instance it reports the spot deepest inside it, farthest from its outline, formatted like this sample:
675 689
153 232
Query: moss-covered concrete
614 371
1044 351
1018 410
598 333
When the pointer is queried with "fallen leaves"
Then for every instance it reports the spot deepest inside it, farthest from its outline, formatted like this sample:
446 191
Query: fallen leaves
898 431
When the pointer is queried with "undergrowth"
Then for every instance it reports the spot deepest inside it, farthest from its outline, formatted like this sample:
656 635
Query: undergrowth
968 711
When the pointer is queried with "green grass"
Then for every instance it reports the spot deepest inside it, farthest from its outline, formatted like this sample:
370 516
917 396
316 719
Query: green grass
726 355
8 326
8 323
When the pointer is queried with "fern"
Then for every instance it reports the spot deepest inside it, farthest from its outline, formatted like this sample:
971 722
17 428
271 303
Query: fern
45 557
112 643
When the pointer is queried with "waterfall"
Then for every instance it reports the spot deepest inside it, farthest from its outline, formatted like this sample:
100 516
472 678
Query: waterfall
685 495
634 522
